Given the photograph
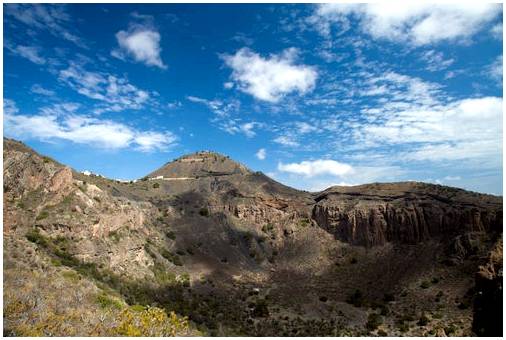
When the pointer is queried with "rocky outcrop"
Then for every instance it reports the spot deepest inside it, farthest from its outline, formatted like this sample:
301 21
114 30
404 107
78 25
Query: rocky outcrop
488 313
403 212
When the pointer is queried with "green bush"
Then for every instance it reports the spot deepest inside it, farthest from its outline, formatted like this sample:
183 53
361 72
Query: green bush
171 257
373 321
44 214
115 236
108 302
304 222
35 237
449 330
425 284
156 186
268 228
423 321
204 212
170 234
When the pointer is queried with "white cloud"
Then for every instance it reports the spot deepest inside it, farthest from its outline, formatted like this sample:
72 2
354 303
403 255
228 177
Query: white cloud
436 61
286 141
452 178
174 105
38 89
496 31
417 23
270 79
401 88
142 43
28 52
495 70
50 17
261 154
61 122
234 126
317 168
463 129
220 108
116 93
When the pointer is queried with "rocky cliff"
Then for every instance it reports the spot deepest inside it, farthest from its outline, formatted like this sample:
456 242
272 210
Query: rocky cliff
411 212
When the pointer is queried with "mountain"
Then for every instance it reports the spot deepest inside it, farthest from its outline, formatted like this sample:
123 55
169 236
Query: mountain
210 247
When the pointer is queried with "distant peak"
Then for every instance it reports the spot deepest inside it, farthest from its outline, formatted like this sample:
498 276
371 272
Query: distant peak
200 164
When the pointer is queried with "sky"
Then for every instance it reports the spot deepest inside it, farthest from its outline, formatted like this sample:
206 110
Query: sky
311 95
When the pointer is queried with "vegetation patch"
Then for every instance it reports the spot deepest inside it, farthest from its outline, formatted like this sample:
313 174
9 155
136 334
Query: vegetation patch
174 258
36 237
373 321
108 302
43 215
356 299
204 212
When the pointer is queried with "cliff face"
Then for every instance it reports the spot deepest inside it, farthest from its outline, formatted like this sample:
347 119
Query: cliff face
372 215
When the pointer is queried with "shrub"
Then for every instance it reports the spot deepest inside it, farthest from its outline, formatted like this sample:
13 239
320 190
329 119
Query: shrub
382 333
260 310
356 299
353 260
35 237
434 280
107 302
56 262
115 236
156 186
373 321
388 297
304 222
44 214
449 330
204 212
323 299
171 257
423 321
170 234
150 322
403 327
268 228
384 310
425 284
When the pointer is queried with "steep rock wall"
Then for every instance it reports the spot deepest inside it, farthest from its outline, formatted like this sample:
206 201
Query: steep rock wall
371 220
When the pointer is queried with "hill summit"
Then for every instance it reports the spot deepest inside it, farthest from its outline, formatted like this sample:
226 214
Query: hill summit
200 164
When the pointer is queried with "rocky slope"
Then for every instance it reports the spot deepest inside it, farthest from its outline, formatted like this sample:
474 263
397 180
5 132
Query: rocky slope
240 254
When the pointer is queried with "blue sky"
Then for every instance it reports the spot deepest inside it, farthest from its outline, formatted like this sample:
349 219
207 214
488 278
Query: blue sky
312 95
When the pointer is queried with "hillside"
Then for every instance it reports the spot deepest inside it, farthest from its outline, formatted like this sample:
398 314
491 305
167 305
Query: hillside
237 253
